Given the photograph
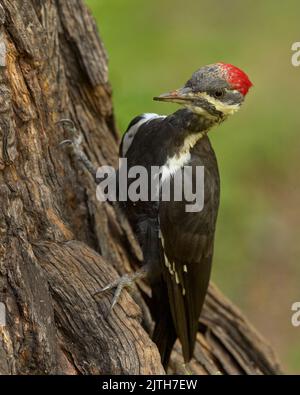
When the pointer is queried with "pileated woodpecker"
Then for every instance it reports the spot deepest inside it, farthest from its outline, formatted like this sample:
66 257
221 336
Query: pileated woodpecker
178 245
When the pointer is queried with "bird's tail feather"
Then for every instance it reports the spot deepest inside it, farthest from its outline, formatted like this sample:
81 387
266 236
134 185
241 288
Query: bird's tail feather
164 334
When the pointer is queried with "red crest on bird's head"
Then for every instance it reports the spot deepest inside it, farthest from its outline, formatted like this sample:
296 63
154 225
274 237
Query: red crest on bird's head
236 77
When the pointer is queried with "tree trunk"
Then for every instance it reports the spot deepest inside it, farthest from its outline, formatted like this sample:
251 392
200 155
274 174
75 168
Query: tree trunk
58 244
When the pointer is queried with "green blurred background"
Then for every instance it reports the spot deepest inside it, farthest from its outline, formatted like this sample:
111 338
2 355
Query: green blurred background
154 46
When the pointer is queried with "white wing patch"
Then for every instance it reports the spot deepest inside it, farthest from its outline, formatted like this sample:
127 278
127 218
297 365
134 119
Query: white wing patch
130 134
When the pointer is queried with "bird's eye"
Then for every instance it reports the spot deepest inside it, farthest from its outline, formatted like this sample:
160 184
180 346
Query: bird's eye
218 94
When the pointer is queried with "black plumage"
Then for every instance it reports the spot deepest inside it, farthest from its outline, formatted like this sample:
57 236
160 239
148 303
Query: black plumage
170 235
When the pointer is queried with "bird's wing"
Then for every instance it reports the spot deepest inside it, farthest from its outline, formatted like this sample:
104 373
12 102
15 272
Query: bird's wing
187 242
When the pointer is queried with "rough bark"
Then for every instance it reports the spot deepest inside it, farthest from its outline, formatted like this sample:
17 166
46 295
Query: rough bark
58 245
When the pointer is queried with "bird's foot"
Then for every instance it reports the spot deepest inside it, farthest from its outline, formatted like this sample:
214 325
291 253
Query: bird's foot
76 139
126 281
75 142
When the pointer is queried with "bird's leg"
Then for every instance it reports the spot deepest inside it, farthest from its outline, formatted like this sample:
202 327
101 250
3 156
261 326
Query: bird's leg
126 281
75 143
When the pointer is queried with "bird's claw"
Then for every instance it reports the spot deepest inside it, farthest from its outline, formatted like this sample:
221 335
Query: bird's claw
64 142
126 281
76 139
71 125
75 142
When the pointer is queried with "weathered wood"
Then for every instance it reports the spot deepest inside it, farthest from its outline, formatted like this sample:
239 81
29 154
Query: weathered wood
58 244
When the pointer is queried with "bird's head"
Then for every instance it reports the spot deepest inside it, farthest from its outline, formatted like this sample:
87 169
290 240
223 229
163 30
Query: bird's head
214 91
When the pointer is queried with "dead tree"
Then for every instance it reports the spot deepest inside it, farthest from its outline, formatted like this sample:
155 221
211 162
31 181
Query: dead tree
58 244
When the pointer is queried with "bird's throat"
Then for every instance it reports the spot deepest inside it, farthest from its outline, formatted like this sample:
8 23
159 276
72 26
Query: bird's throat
196 122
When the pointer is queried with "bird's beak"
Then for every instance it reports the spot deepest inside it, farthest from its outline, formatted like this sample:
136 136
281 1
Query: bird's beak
178 96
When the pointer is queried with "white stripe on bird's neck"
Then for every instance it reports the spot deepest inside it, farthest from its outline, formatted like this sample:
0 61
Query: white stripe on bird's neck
182 157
